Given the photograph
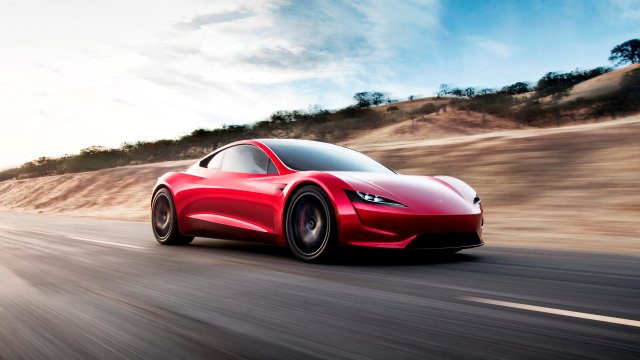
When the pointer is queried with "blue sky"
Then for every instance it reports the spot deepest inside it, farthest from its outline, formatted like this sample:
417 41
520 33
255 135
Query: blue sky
77 73
492 43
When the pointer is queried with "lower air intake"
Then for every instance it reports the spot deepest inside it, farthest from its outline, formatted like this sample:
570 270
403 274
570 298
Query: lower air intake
445 240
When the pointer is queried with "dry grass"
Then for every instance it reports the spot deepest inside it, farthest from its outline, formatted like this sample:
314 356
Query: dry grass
409 106
570 187
601 85
444 124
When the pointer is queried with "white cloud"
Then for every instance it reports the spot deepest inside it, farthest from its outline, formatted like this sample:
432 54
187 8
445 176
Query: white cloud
200 21
78 73
628 8
491 46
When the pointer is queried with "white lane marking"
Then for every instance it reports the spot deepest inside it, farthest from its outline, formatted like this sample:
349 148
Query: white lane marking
548 310
109 243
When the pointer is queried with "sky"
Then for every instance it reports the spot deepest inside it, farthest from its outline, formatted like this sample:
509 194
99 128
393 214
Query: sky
77 73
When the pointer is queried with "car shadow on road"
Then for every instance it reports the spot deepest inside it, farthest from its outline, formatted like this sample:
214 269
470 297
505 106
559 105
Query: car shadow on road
388 257
240 247
344 257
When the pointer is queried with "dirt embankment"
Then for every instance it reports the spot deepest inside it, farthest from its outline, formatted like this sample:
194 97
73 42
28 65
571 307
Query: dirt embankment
569 187
445 123
118 193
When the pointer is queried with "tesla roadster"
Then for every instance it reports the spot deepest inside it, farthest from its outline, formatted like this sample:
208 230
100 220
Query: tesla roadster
314 198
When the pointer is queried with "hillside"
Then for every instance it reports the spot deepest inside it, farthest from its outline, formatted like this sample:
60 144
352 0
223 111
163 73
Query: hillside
450 121
443 124
602 85
574 186
601 97
116 193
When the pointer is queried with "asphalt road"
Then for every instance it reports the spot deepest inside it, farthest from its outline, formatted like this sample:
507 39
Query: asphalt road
80 289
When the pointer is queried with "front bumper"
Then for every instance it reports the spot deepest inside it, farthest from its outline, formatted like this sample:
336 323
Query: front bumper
402 228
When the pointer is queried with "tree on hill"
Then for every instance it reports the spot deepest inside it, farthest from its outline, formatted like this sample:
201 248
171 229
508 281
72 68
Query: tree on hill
444 90
366 99
554 82
485 92
627 52
457 92
517 88
284 116
470 92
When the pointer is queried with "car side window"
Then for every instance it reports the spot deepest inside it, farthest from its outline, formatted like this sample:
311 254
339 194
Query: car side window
246 159
271 168
216 161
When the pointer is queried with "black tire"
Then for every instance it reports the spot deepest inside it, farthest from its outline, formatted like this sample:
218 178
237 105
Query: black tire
310 225
164 221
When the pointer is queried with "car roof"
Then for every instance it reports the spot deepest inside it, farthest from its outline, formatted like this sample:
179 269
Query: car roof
287 141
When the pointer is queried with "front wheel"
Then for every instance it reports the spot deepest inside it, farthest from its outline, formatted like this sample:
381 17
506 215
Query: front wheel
310 224
164 220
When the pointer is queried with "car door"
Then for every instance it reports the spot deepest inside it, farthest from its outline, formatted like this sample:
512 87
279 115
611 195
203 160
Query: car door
237 196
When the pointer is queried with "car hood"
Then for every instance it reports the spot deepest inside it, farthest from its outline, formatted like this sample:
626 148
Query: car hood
434 195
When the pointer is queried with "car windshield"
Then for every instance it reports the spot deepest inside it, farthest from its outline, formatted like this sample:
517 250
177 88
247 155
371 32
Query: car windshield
305 155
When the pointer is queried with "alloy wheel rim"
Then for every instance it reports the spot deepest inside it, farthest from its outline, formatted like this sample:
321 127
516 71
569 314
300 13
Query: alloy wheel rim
162 216
310 224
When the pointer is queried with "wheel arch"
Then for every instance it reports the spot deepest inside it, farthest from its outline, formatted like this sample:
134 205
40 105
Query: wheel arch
287 203
157 188
289 198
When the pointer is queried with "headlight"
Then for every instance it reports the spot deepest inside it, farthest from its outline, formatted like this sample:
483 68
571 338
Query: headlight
372 198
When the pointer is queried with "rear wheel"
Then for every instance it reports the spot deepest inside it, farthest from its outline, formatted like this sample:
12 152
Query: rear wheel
310 224
164 220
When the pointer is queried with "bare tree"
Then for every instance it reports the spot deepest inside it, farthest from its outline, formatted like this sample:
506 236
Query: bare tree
444 90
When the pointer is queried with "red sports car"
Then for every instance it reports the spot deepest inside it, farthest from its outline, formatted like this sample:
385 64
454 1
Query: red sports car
313 197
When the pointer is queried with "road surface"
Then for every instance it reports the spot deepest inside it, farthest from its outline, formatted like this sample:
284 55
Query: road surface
73 288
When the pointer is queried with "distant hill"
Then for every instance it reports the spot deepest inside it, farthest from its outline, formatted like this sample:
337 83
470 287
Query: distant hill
603 97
